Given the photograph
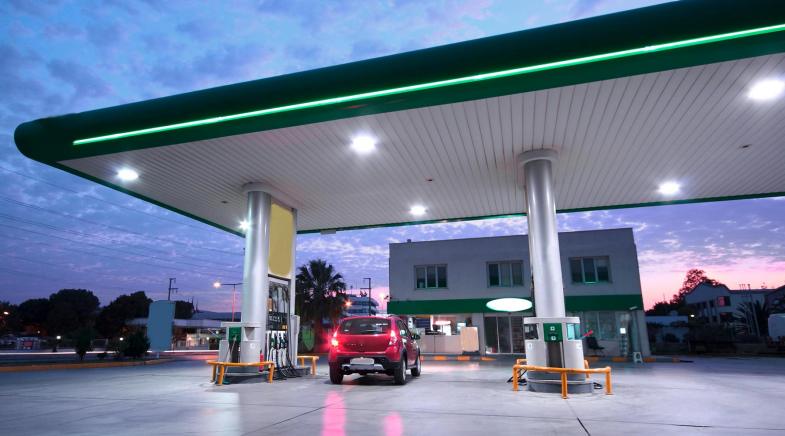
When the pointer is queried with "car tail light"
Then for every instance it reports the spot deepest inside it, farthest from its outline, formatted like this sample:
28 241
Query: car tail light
334 340
393 338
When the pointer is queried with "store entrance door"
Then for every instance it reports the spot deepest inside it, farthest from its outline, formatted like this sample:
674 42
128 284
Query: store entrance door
504 334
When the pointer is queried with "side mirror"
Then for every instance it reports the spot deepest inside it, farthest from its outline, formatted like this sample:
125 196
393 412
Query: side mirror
415 336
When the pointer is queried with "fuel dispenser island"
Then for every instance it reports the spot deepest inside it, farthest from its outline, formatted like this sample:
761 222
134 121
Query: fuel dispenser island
268 329
554 342
281 336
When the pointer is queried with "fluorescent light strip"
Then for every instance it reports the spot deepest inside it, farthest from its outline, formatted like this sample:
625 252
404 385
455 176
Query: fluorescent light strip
442 83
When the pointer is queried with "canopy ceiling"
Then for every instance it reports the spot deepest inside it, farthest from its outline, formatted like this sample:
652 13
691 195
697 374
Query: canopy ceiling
630 100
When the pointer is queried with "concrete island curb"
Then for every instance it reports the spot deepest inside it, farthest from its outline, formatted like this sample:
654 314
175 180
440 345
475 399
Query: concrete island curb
56 366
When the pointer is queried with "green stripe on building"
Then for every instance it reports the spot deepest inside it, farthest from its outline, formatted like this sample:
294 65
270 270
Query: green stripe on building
476 305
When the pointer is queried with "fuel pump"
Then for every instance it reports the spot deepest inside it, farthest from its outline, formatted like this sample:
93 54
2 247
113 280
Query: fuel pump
554 342
278 338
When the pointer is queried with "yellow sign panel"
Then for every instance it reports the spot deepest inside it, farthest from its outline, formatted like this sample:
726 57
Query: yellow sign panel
281 234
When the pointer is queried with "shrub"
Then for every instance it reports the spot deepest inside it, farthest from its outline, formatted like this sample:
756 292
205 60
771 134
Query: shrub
670 337
136 345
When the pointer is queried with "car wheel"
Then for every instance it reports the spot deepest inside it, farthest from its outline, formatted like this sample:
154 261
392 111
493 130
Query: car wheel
400 371
336 375
417 366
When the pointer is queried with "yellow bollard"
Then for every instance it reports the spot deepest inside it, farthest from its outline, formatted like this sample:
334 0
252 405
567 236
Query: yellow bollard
608 381
563 384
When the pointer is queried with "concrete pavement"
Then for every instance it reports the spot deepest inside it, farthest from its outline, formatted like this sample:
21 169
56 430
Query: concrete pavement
710 396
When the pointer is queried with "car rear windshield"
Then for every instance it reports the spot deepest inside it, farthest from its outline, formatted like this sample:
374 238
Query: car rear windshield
365 326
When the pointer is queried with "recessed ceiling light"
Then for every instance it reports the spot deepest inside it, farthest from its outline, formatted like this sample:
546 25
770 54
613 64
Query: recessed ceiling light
669 188
363 144
127 175
418 210
243 225
768 89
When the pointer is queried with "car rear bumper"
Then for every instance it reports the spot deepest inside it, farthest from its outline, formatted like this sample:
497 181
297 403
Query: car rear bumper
380 364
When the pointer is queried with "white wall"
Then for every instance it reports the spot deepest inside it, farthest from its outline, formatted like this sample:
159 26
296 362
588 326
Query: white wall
467 259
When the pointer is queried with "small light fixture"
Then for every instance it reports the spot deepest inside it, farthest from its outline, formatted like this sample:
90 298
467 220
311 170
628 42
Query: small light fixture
363 144
59 337
243 225
217 284
669 188
418 210
767 89
127 175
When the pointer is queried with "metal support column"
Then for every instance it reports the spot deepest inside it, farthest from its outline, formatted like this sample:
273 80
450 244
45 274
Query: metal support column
255 281
543 233
557 342
294 320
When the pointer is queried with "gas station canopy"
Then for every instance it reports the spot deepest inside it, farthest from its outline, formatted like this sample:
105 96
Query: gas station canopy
679 96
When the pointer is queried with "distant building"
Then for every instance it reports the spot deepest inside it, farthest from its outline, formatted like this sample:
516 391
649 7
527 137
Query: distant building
719 304
191 334
359 306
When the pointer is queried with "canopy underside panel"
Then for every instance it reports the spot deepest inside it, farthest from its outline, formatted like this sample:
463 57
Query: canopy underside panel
618 139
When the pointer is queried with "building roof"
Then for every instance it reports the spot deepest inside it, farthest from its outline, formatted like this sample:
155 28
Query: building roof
630 100
627 231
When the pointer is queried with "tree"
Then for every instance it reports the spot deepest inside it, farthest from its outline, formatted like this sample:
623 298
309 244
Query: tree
11 322
71 309
321 293
183 309
112 318
83 341
694 278
663 308
33 314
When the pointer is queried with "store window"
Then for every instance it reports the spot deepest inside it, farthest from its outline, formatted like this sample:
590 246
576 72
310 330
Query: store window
505 274
603 325
590 269
430 276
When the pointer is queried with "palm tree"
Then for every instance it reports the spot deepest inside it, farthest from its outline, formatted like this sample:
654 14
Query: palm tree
751 313
320 293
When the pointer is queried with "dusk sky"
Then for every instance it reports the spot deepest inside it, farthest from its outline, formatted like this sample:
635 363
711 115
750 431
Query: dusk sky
60 231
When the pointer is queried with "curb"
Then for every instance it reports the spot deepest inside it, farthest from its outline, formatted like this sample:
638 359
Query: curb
460 358
591 359
54 366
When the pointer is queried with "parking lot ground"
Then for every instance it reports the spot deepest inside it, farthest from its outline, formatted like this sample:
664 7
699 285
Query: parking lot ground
710 396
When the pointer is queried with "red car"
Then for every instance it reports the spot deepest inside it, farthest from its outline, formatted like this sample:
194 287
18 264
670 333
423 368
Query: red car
374 344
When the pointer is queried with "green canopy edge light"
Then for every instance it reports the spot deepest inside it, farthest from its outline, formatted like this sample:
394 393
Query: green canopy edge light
442 83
